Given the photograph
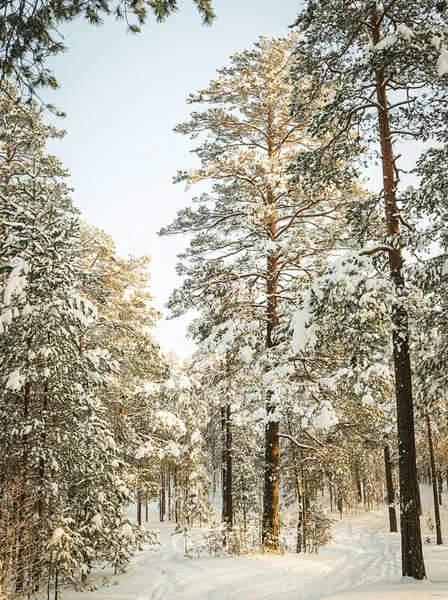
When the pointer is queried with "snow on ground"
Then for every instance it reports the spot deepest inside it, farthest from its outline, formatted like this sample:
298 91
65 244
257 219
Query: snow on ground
363 564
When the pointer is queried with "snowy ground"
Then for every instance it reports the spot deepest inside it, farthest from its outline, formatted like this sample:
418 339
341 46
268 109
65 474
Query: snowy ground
363 564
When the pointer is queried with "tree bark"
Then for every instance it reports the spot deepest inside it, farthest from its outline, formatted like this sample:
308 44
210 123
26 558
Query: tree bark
224 463
139 507
435 487
146 507
270 528
390 491
170 516
176 494
229 468
410 507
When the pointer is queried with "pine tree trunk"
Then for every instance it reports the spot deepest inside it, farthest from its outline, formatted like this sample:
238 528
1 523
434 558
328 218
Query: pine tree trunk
305 506
410 507
358 484
224 463
229 468
271 486
163 495
139 507
170 515
435 488
440 484
390 490
176 494
270 530
146 508
24 499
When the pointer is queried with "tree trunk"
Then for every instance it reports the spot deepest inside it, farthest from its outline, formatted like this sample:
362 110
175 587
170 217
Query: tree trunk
224 463
435 488
146 508
410 507
271 486
139 508
229 467
170 515
440 484
305 506
270 528
163 495
390 490
176 494
358 484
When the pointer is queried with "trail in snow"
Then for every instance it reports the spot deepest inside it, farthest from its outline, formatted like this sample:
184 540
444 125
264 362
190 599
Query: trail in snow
359 565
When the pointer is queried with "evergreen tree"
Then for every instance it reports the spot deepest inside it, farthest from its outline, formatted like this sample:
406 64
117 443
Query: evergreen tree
385 66
29 33
257 233
53 438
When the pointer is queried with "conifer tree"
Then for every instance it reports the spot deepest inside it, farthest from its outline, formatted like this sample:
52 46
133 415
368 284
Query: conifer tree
29 32
385 64
53 438
252 233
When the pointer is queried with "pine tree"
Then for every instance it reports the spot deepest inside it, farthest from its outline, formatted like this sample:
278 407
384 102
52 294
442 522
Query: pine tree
29 33
252 233
375 57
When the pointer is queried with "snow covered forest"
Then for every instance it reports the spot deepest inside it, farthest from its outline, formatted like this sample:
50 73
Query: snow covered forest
301 451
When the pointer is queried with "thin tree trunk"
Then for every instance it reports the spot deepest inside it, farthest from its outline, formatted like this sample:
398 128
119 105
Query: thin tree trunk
176 495
410 506
435 489
23 503
170 515
224 463
358 484
146 507
305 503
163 491
440 485
139 507
229 468
390 490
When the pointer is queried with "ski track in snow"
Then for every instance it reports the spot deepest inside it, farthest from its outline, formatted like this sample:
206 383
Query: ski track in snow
364 553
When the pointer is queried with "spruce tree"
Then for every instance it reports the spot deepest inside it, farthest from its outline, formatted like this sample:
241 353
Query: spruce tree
54 441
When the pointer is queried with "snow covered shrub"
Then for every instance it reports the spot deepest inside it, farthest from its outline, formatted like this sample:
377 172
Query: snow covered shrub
215 540
318 527
190 545
62 554
223 539
238 541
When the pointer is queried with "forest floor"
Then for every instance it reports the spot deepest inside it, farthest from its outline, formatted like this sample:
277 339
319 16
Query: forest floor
362 563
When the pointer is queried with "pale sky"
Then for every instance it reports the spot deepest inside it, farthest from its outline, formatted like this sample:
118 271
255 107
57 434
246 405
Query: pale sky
123 94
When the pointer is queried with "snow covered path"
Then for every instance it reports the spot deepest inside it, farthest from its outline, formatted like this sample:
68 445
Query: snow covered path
363 564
